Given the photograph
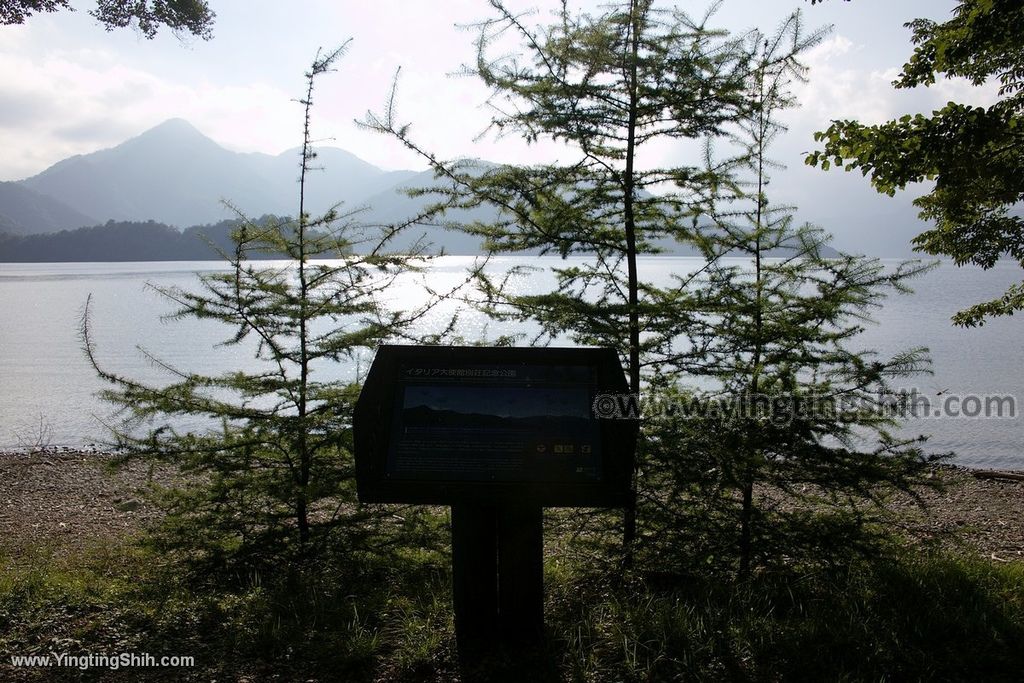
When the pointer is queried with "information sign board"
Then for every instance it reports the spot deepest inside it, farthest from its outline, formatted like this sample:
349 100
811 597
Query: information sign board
445 425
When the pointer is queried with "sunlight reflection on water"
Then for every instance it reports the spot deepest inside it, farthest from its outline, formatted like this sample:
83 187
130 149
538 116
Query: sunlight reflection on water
45 377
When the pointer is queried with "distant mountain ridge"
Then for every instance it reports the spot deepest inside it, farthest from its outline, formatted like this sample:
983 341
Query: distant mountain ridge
152 241
174 175
126 241
24 211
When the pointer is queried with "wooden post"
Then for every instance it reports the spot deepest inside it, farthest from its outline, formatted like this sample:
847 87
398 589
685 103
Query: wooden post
521 574
475 578
497 578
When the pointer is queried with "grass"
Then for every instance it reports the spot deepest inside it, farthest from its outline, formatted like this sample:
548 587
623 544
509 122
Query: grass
912 615
354 621
915 617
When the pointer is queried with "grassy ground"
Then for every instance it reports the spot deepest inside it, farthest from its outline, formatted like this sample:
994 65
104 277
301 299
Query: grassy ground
946 605
911 615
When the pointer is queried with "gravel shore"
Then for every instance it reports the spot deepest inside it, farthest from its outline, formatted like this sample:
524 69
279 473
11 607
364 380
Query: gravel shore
67 500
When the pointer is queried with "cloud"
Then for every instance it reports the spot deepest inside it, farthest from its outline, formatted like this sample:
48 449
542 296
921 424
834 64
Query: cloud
839 88
16 108
89 130
61 103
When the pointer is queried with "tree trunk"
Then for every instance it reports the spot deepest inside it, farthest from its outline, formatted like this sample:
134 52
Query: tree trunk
629 190
746 517
302 516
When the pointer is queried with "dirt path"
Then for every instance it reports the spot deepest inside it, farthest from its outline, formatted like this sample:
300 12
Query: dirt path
69 499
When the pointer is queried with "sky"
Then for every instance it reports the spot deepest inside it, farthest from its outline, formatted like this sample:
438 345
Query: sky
69 87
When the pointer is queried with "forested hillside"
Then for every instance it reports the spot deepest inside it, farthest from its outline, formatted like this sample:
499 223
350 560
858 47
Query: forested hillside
123 241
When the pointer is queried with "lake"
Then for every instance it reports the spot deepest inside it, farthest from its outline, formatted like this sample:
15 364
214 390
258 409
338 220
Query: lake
46 384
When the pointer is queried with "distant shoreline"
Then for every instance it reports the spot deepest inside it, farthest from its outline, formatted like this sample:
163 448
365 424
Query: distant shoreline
215 259
134 240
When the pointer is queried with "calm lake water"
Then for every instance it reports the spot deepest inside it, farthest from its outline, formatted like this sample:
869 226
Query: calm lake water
46 382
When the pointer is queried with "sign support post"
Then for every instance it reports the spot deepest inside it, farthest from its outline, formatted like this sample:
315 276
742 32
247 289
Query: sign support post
497 576
498 434
521 574
474 577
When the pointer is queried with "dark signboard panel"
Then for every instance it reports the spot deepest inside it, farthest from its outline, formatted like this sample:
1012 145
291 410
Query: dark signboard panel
447 425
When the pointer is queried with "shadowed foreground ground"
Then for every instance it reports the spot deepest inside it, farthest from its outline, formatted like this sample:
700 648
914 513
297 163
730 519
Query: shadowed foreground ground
69 499
950 607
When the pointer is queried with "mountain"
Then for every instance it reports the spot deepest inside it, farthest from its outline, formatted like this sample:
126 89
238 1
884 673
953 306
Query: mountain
24 212
176 175
391 206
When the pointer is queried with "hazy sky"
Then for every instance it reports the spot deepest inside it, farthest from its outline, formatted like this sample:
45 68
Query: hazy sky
68 87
